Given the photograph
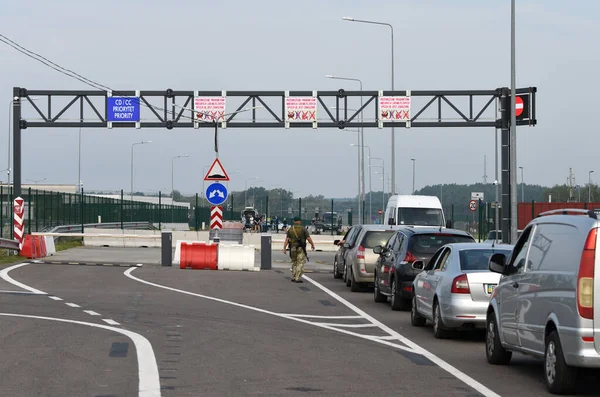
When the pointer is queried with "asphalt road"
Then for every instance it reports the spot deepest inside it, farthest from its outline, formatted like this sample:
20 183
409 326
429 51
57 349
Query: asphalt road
152 331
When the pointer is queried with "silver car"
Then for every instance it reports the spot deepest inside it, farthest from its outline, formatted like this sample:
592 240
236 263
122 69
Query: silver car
454 289
360 258
547 303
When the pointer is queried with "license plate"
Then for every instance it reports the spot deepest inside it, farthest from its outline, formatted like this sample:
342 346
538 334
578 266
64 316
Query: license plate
490 288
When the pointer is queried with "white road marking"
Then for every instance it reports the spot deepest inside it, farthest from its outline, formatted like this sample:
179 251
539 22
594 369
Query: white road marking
4 275
386 337
109 321
348 325
3 291
256 309
56 298
149 382
415 347
326 317
91 312
72 304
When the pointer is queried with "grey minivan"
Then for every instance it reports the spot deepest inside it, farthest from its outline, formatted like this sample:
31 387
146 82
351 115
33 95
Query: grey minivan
546 303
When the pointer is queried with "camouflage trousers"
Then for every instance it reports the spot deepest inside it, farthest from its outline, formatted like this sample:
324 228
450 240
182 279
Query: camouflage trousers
298 261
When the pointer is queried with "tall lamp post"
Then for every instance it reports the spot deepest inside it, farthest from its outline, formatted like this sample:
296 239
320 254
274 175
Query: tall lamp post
590 186
393 137
173 184
370 189
522 186
413 189
361 143
132 146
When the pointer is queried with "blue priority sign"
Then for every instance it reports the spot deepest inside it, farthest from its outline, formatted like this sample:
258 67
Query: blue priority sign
216 193
122 109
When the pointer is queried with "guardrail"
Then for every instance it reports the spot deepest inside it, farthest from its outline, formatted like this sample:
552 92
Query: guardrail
9 244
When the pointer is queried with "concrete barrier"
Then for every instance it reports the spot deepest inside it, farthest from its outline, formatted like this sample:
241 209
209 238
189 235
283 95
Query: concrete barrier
136 238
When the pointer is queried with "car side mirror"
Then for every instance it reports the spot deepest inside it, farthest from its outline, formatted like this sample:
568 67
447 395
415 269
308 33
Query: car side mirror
378 250
346 245
391 221
418 265
497 263
449 224
336 242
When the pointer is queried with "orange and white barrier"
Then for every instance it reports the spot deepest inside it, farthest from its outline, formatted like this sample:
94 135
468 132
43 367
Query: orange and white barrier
207 255
34 247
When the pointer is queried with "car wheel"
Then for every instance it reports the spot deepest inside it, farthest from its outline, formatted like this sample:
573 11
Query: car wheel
345 274
560 377
396 301
354 286
439 330
495 353
348 277
377 295
415 318
336 274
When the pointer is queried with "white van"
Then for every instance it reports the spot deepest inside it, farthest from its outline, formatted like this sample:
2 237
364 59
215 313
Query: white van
412 210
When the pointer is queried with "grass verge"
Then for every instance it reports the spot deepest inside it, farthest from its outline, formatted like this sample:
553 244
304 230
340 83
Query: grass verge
68 242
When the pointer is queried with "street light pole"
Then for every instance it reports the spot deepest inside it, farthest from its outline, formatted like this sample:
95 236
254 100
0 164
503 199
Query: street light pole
361 143
522 186
413 189
590 186
393 190
370 191
132 146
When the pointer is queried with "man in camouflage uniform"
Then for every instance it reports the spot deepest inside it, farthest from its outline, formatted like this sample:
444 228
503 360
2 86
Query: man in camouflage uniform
296 238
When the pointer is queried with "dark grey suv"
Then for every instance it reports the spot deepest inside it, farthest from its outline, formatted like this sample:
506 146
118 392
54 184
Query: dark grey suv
394 274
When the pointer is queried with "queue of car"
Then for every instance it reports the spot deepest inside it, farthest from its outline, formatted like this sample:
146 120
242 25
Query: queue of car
538 297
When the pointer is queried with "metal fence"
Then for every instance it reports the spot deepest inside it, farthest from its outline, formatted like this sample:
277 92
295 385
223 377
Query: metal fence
45 209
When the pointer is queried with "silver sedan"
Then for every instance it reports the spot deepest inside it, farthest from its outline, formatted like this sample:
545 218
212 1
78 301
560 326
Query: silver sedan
455 286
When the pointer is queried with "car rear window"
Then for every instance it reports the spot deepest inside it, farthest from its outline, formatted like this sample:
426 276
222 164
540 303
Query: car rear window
374 238
478 259
429 243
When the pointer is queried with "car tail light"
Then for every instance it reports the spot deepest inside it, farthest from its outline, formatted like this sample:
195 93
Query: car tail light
360 253
460 285
385 269
410 258
585 278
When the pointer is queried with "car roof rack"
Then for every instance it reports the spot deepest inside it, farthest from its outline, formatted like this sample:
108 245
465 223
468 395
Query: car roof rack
570 211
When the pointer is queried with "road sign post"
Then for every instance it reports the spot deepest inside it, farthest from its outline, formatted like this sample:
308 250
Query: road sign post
216 217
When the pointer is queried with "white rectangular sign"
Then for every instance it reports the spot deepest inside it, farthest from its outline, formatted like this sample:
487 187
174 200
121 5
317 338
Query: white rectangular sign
477 196
210 108
303 109
394 108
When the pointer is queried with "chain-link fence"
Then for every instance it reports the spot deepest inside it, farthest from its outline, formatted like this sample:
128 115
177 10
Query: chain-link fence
46 209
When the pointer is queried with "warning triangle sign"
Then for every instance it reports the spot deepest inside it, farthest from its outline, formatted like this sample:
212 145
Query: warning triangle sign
216 172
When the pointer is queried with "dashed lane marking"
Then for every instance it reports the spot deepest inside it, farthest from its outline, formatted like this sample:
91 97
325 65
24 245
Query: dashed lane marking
109 321
72 304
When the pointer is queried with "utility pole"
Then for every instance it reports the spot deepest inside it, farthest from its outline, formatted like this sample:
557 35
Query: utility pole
484 169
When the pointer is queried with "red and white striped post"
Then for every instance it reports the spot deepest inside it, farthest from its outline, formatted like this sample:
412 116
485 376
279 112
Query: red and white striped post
18 211
216 217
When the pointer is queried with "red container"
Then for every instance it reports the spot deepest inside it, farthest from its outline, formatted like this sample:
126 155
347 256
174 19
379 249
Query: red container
199 256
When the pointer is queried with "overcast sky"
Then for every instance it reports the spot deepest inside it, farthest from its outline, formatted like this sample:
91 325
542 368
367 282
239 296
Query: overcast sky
284 45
